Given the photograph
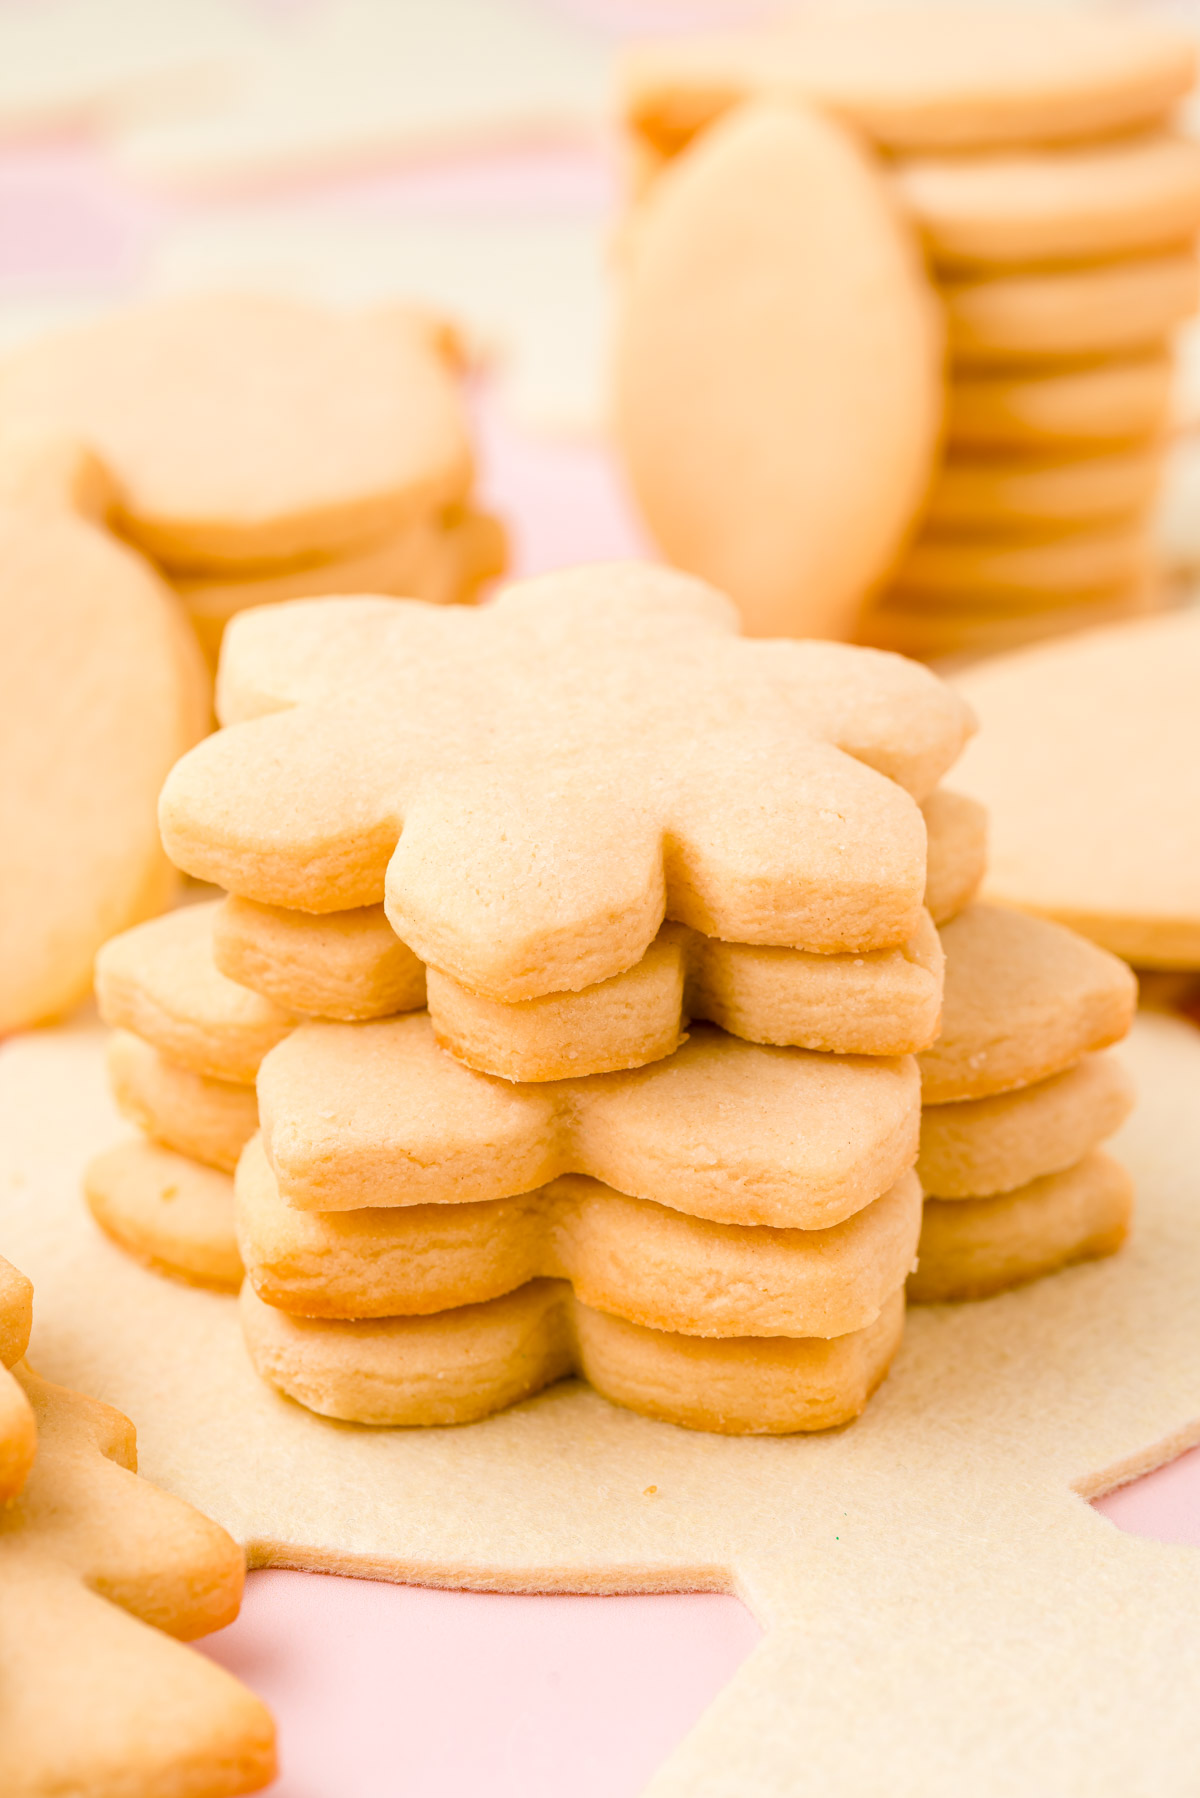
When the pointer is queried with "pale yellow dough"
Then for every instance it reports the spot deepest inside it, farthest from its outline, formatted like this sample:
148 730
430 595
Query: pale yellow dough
971 1248
978 1147
637 1260
458 1366
209 1120
576 725
167 1211
1090 766
777 368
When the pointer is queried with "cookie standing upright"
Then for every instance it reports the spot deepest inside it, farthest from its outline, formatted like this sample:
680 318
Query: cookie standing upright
101 689
1035 160
777 370
261 448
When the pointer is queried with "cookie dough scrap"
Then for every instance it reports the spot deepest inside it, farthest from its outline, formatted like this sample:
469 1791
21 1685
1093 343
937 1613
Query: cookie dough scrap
101 689
168 1211
617 709
98 1571
1088 745
772 297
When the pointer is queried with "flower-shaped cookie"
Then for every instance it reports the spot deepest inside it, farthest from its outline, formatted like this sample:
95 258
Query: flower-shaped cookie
539 783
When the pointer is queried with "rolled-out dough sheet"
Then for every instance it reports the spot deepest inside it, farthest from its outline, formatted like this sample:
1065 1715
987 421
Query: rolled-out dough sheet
944 1612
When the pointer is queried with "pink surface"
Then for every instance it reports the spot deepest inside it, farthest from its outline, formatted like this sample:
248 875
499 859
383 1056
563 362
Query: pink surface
380 1689
383 1689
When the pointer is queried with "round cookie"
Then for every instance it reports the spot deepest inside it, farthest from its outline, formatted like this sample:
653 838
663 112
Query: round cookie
916 630
923 76
443 562
102 688
974 1247
246 430
1105 402
1099 308
1023 999
1111 198
1089 763
979 1147
1037 492
778 374
985 573
209 1120
166 1211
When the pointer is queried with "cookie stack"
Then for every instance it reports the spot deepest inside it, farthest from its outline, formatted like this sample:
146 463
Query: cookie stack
262 450
1035 159
448 1208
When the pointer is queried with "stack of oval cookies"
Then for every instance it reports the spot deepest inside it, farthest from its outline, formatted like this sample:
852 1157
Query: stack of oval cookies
570 1008
1034 157
261 449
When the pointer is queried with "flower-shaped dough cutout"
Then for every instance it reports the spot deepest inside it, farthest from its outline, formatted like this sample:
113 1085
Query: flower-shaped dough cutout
539 783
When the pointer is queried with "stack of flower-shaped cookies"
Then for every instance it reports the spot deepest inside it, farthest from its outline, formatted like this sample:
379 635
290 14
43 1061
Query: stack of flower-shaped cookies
262 450
676 1155
1058 208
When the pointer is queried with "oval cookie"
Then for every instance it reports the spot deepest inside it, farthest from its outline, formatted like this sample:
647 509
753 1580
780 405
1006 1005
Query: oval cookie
778 386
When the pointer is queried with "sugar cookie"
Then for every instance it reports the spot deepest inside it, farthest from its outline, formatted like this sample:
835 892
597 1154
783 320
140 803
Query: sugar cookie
1100 308
923 76
1039 493
1107 198
981 572
1090 767
983 1146
209 1120
1024 999
777 368
348 965
615 708
159 981
957 852
971 1248
641 1261
101 689
18 1430
98 1570
916 630
458 1366
167 1211
1104 402
444 563
375 1114
244 430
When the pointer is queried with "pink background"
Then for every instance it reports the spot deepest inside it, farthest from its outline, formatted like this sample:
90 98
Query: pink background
381 1689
